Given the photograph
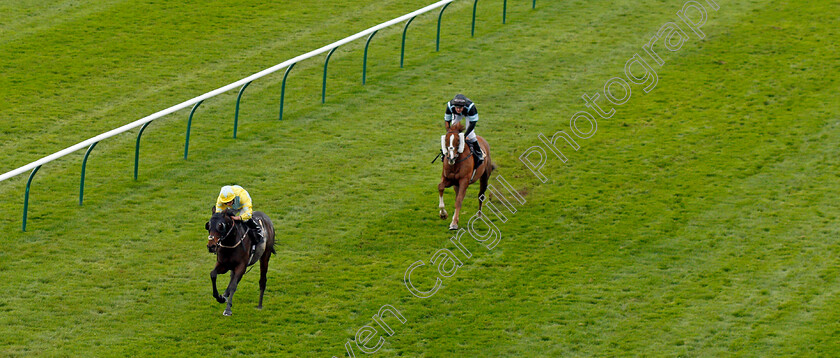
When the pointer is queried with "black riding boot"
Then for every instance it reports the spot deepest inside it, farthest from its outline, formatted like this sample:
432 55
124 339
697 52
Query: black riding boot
476 149
252 224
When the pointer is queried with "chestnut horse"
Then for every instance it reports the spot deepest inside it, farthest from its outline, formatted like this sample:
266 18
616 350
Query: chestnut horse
231 242
459 170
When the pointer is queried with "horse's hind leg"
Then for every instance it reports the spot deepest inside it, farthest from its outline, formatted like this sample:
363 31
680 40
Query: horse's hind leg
481 189
263 273
235 276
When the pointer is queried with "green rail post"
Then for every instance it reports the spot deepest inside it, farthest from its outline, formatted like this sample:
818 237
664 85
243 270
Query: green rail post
504 11
437 42
189 124
82 182
324 88
137 149
472 31
534 4
26 196
364 62
283 89
236 116
402 49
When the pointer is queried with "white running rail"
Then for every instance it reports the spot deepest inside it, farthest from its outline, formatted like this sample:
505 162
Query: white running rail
216 92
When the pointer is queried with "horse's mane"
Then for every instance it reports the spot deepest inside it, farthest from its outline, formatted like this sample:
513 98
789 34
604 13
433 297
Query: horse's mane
227 212
457 127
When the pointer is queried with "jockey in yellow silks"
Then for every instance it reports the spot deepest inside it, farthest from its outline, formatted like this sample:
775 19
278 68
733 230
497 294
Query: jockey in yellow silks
236 198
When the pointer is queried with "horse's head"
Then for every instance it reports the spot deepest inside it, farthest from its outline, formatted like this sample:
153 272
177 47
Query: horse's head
452 144
219 227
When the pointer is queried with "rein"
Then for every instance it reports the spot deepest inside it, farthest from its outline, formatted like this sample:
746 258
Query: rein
458 160
463 159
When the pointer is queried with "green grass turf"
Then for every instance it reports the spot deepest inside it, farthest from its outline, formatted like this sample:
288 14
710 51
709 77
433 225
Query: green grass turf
698 221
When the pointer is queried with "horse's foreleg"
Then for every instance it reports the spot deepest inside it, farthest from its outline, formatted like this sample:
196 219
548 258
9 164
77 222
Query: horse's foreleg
263 275
441 188
235 276
461 191
213 274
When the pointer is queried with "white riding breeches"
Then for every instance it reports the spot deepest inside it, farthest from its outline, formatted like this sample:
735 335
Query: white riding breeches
470 137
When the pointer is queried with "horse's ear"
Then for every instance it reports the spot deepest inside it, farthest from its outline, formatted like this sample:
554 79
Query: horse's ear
212 209
207 226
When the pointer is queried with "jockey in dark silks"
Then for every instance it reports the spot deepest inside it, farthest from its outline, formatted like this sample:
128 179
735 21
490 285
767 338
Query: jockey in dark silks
460 108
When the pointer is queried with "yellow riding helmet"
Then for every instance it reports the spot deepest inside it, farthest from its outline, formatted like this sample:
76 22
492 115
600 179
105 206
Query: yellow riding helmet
226 194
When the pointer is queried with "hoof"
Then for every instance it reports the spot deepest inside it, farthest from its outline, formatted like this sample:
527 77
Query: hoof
443 216
220 299
227 313
453 227
259 307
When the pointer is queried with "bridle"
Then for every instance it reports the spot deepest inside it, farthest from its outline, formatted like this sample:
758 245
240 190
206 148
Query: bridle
460 152
219 240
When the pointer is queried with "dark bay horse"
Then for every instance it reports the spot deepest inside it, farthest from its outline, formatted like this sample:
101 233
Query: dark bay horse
459 170
232 244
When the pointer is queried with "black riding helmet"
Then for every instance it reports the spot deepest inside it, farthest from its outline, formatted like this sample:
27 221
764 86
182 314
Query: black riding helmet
459 101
